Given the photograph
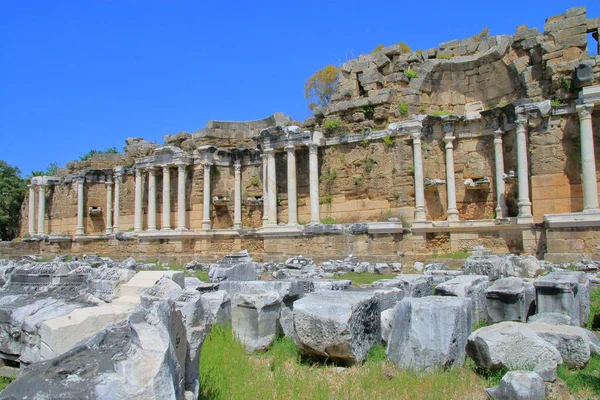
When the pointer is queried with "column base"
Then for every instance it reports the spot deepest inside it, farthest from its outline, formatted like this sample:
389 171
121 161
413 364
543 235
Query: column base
591 210
78 231
420 214
237 226
314 223
108 231
501 212
181 229
452 216
151 230
206 225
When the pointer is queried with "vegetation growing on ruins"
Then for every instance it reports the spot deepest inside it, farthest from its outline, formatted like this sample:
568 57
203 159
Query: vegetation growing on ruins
444 56
4 382
403 109
91 153
363 278
12 193
228 372
594 322
50 171
319 88
411 73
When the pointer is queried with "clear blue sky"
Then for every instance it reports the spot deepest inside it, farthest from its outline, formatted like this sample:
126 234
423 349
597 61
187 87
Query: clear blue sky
80 75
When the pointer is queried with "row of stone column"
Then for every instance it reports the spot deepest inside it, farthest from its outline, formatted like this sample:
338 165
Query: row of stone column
588 170
166 199
270 185
41 209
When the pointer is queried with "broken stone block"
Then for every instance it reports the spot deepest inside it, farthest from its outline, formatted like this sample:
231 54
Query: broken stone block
234 267
441 276
572 342
416 285
341 325
387 318
217 307
566 292
320 285
550 319
471 286
519 385
482 262
429 332
514 346
255 319
522 267
510 299
382 268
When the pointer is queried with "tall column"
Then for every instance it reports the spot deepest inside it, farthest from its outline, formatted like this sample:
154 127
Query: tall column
109 191
181 197
265 189
501 209
313 163
137 219
80 230
166 199
31 221
291 185
206 209
420 214
523 168
42 208
450 183
151 199
116 210
588 159
237 195
272 190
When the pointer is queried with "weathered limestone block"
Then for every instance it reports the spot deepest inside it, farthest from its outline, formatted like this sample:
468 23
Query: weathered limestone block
550 319
471 286
565 292
217 307
387 319
441 276
234 267
510 299
571 341
255 319
324 285
482 262
519 385
416 285
339 325
146 279
522 267
429 332
514 346
288 292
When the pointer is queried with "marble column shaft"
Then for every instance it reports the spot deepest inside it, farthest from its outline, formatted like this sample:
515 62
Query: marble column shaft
137 218
313 162
265 189
31 218
109 192
151 199
181 197
291 185
116 211
420 214
501 209
80 206
523 168
206 209
450 179
237 196
272 183
166 199
588 158
41 208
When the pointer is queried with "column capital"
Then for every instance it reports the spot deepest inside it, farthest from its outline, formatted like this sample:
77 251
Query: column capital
521 122
80 179
108 183
138 172
269 151
448 140
313 148
498 135
585 110
289 147
263 155
206 163
237 167
416 135
42 185
181 165
30 186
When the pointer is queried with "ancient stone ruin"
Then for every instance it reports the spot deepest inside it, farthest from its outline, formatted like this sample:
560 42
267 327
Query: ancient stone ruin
483 145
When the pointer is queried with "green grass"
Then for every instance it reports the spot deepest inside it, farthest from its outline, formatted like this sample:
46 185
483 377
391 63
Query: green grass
228 372
457 255
4 382
364 278
594 309
585 382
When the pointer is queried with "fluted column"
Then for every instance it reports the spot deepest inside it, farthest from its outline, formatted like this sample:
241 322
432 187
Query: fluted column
501 209
116 211
291 185
313 163
31 220
42 208
237 195
166 199
523 168
181 197
137 218
109 192
80 230
151 199
420 214
588 158
206 209
450 180
272 183
265 189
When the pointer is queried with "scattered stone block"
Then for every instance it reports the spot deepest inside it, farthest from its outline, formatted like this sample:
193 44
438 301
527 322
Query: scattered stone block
572 342
483 262
429 332
566 292
550 319
510 299
255 319
471 286
519 385
234 267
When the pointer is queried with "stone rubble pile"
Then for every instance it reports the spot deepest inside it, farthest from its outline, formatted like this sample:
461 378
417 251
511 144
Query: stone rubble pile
88 325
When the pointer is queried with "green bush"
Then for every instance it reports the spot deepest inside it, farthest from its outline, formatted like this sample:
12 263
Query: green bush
254 181
593 321
411 73
328 221
91 153
403 109
441 113
444 56
388 141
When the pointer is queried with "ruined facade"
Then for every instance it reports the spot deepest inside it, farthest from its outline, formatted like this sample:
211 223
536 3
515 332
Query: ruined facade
486 140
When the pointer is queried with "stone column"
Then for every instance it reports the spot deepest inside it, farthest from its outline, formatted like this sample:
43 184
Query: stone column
272 190
313 162
206 211
291 185
588 158
31 221
80 205
501 209
181 197
109 192
450 183
237 195
166 199
265 189
137 219
151 199
116 210
41 208
420 213
523 168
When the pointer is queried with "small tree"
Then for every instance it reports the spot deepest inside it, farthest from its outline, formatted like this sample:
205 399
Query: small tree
12 193
321 86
